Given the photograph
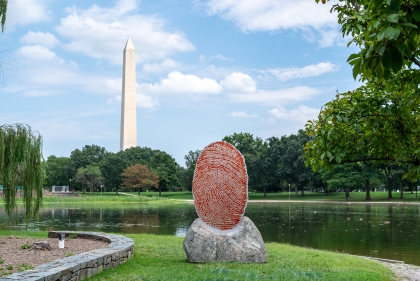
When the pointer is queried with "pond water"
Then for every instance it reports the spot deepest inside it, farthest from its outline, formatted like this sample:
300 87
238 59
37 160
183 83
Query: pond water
386 231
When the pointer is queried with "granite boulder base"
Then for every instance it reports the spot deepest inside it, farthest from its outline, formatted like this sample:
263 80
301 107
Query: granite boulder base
243 243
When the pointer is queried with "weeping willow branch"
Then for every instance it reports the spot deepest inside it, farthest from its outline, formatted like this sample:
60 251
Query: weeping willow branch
21 165
3 10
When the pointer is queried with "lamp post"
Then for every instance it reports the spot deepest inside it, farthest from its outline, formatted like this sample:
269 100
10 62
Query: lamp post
289 191
70 185
101 189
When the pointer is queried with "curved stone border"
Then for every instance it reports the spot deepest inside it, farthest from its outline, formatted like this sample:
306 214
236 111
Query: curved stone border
80 266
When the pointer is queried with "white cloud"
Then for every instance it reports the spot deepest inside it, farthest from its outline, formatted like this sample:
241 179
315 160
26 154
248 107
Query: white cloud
178 83
315 20
39 38
102 33
270 15
38 53
280 96
284 74
145 101
43 73
238 82
331 37
220 57
160 67
300 114
242 114
23 12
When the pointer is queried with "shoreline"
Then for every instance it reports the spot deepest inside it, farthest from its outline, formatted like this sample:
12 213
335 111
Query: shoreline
320 202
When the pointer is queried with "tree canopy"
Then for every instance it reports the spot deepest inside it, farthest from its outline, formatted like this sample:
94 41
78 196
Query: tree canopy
21 165
139 176
89 176
378 121
161 162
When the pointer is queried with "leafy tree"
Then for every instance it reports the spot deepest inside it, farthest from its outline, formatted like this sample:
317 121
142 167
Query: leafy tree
292 161
379 120
370 172
165 165
140 176
387 33
346 176
89 155
89 176
253 151
190 163
57 170
3 10
111 168
21 164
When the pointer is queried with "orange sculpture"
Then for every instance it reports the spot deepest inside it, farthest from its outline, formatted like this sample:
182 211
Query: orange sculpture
220 185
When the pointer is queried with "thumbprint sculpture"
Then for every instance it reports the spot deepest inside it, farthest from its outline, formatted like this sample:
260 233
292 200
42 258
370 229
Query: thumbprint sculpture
220 190
220 185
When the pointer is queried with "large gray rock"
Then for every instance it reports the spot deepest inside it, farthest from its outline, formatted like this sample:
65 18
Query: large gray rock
243 243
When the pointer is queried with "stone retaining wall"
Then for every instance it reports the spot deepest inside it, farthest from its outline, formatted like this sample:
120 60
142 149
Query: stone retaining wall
81 266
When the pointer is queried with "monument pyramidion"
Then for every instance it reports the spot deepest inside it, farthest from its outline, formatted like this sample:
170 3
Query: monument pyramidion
128 136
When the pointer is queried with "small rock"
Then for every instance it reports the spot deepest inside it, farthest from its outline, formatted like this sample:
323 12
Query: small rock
243 243
43 245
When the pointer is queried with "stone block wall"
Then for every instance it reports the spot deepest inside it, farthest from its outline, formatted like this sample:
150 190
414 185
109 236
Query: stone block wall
81 266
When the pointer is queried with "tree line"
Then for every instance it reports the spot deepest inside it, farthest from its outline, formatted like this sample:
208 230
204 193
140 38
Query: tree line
276 164
93 166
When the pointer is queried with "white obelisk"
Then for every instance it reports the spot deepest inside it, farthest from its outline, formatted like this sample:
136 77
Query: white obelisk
128 136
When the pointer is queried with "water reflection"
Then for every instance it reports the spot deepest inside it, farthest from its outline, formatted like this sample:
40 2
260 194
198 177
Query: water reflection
387 231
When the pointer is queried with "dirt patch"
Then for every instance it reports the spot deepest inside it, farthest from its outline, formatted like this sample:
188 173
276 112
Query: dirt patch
14 257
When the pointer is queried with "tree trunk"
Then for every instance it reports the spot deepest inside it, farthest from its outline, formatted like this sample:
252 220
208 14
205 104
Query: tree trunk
138 191
367 190
347 193
296 190
410 185
401 189
116 190
265 192
327 191
302 189
390 188
160 191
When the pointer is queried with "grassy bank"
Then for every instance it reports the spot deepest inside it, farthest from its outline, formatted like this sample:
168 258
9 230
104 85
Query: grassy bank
163 258
169 197
309 196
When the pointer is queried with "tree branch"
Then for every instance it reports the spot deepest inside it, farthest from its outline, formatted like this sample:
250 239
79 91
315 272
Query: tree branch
415 60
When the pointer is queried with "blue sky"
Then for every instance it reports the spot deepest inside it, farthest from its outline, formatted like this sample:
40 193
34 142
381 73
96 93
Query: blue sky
205 69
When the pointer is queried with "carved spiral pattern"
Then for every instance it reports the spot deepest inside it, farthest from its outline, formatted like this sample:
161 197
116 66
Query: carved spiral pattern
220 185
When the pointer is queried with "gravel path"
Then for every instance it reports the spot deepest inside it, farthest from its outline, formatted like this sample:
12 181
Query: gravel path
404 272
13 258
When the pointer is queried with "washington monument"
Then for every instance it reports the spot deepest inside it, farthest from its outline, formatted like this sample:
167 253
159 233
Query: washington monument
128 137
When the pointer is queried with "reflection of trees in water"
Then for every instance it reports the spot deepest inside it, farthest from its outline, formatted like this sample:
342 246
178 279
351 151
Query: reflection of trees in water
373 230
141 219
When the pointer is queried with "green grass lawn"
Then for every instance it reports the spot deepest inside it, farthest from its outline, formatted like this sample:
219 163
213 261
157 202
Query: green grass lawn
309 196
163 258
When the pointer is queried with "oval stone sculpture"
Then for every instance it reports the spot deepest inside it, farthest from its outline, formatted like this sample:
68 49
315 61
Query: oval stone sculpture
220 185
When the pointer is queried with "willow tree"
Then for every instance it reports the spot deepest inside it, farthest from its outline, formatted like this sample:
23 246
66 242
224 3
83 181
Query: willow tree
3 10
21 165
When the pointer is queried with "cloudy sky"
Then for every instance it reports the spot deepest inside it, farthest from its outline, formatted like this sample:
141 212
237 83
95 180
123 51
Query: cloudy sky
205 69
